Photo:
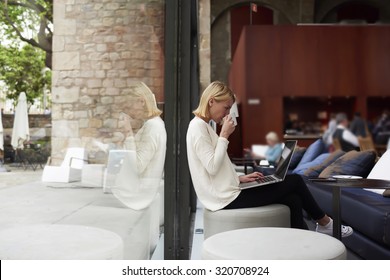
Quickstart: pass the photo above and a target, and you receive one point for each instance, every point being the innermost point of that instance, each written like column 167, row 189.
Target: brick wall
column 100, row 48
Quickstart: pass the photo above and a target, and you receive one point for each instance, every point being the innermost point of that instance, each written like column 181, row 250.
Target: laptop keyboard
column 266, row 179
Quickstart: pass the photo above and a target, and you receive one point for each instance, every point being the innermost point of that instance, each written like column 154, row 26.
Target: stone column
column 65, row 95
column 204, row 43
column 306, row 11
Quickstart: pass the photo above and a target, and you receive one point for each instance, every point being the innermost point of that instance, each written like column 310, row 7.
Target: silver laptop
column 121, row 169
column 281, row 169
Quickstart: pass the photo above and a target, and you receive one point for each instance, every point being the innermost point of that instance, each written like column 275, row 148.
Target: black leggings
column 292, row 192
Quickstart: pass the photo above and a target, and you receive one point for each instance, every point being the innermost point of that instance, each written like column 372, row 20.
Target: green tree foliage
column 23, row 69
column 30, row 21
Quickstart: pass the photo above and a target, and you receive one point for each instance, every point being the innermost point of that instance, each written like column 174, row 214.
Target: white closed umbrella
column 2, row 169
column 21, row 131
column 1, row 133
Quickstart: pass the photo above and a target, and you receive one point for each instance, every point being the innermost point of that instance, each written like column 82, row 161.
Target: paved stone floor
column 26, row 201
column 18, row 176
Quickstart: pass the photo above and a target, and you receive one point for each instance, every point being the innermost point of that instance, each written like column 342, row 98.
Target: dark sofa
column 366, row 212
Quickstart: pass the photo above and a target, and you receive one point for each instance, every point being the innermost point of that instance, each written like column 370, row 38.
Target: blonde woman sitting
column 215, row 180
column 139, row 178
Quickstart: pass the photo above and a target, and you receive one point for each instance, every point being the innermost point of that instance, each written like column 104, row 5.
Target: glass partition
column 124, row 81
column 108, row 92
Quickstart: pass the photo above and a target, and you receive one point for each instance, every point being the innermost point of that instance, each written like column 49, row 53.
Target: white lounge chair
column 69, row 170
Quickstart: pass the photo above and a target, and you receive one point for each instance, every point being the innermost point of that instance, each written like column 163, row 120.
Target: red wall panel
column 263, row 62
column 339, row 60
column 300, row 72
column 375, row 63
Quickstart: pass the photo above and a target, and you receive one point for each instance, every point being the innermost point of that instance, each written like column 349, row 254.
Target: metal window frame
column 181, row 89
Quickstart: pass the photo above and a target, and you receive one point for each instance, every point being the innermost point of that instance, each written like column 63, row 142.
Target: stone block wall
column 34, row 120
column 204, row 43
column 100, row 48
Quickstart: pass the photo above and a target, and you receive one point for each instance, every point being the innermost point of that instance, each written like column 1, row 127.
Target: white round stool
column 274, row 215
column 272, row 244
column 59, row 242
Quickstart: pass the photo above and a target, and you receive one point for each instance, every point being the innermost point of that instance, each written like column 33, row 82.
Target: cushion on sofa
column 297, row 157
column 381, row 172
column 314, row 150
column 352, row 163
column 315, row 170
column 302, row 168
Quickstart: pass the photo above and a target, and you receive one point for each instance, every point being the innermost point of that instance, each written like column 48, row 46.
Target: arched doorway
column 353, row 12
column 363, row 11
column 226, row 28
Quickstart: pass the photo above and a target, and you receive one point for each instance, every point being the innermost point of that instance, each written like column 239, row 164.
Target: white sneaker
column 328, row 229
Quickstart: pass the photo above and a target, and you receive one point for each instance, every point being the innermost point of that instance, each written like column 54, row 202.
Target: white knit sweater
column 213, row 175
column 138, row 189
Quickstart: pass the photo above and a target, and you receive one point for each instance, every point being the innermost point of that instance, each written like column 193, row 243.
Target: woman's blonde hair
column 216, row 90
column 141, row 90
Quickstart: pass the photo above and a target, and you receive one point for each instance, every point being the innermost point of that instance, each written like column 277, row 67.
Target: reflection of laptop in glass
column 281, row 169
column 121, row 168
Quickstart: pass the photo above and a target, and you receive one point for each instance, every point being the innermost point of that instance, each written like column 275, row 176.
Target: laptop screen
column 285, row 158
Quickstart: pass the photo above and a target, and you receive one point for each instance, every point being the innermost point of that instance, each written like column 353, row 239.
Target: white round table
column 59, row 242
column 272, row 244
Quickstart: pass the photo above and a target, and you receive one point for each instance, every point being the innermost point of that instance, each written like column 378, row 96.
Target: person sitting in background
column 273, row 151
column 327, row 137
column 347, row 139
column 358, row 126
column 274, row 148
column 381, row 131
column 9, row 152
